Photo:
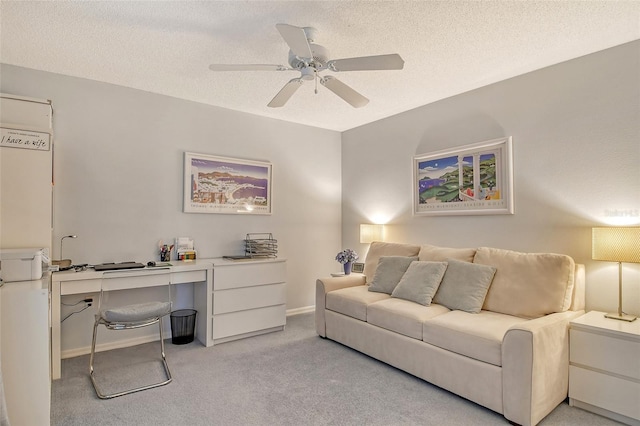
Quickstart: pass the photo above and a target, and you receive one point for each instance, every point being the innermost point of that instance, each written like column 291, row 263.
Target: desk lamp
column 621, row 244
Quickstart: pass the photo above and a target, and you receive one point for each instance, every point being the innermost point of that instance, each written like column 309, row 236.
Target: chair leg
column 114, row 395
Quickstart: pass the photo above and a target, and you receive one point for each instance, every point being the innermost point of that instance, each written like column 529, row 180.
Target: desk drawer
column 188, row 277
column 236, row 323
column 239, row 299
column 247, row 275
column 80, row 286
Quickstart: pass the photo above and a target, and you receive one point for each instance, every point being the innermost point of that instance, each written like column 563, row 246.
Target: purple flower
column 347, row 255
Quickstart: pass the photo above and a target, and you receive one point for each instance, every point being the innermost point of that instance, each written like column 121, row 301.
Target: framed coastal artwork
column 467, row 180
column 226, row 185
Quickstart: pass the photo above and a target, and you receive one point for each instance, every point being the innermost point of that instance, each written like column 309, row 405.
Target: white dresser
column 604, row 370
column 249, row 298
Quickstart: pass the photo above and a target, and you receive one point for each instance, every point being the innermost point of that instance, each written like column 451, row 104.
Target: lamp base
column 621, row 317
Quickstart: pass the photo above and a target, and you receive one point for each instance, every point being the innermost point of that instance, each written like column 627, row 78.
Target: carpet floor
column 284, row 378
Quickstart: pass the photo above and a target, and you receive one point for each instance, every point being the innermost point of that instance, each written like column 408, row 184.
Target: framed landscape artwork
column 226, row 185
column 467, row 180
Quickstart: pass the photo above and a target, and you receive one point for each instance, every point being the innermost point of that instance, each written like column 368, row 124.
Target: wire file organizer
column 261, row 246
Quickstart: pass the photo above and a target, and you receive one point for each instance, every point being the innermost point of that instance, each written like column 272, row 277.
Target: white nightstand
column 604, row 368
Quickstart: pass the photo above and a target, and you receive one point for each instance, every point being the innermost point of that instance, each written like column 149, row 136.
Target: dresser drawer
column 605, row 391
column 606, row 353
column 236, row 323
column 239, row 299
column 251, row 274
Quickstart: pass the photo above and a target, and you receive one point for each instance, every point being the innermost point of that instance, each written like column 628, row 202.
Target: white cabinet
column 604, row 370
column 249, row 298
column 24, row 349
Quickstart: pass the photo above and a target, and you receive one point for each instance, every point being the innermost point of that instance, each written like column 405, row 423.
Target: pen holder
column 165, row 253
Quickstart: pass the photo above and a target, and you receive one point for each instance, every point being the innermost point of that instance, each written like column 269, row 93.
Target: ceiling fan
column 310, row 60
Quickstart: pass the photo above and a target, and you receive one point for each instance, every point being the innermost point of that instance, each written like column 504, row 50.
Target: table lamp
column 371, row 232
column 617, row 244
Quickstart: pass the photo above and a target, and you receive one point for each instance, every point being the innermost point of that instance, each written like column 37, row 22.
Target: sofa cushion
column 464, row 286
column 389, row 273
column 402, row 316
column 420, row 282
column 477, row 336
column 438, row 254
column 353, row 301
column 528, row 285
column 378, row 249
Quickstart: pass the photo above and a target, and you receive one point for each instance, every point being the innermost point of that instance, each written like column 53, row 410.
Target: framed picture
column 357, row 267
column 226, row 185
column 467, row 180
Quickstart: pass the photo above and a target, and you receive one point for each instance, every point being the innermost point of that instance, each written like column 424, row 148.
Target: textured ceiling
column 449, row 47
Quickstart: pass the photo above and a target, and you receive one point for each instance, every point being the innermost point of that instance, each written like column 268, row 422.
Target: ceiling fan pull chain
column 316, row 73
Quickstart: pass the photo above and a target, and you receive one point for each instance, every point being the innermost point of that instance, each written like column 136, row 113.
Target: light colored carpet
column 285, row 378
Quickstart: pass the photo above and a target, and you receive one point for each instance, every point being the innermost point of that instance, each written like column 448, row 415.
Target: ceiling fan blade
column 367, row 63
column 247, row 67
column 296, row 39
column 285, row 93
column 352, row 97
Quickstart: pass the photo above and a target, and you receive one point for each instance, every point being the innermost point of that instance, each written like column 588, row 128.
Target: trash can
column 183, row 326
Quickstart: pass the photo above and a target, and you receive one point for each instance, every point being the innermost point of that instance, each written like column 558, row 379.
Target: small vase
column 347, row 268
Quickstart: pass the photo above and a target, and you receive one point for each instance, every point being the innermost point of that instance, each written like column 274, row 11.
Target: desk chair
column 131, row 317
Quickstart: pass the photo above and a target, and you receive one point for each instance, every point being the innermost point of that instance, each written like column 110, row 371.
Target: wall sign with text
column 25, row 139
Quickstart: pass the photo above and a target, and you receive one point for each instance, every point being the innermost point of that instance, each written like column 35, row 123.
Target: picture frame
column 214, row 184
column 475, row 179
column 357, row 267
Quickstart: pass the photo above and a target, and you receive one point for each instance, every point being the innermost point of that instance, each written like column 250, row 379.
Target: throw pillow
column 420, row 282
column 377, row 249
column 389, row 272
column 464, row 286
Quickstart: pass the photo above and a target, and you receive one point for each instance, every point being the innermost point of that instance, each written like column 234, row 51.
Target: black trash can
column 183, row 326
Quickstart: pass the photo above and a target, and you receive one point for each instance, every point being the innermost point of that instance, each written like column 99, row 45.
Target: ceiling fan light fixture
column 310, row 59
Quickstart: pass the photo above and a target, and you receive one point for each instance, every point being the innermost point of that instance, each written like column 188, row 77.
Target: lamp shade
column 616, row 244
column 370, row 233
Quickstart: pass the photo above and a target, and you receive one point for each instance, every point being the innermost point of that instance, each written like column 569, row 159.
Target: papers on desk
column 184, row 248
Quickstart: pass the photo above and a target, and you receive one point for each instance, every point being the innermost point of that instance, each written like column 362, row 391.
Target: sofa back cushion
column 442, row 254
column 527, row 285
column 378, row 249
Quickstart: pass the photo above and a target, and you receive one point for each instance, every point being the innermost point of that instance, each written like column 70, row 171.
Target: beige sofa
column 511, row 357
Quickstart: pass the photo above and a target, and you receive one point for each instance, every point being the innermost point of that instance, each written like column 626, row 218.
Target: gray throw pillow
column 420, row 282
column 464, row 286
column 389, row 272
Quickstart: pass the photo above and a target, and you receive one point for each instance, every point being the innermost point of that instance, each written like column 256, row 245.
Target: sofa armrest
column 325, row 285
column 535, row 367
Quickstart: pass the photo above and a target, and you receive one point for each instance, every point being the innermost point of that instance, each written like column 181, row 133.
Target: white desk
column 199, row 272
column 234, row 300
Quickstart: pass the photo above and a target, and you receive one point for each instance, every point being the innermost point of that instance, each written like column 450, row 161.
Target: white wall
column 576, row 143
column 118, row 167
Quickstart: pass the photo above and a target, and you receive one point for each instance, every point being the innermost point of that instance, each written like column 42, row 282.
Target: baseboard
column 302, row 310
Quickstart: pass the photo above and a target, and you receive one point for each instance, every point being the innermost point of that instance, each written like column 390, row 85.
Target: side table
column 604, row 367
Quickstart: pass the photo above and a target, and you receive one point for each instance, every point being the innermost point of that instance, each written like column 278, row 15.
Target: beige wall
column 576, row 144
